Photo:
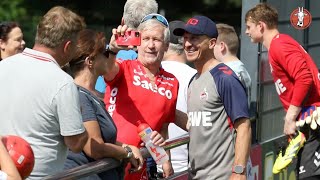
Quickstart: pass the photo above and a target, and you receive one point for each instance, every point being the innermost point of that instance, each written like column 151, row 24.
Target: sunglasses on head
column 158, row 17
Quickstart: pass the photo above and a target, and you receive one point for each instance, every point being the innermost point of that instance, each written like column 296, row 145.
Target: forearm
column 293, row 112
column 165, row 135
column 98, row 150
column 243, row 142
column 181, row 120
column 7, row 165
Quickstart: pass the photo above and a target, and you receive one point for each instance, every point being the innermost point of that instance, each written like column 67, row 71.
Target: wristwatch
column 129, row 151
column 238, row 169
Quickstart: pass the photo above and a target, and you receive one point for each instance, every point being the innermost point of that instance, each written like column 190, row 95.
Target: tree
column 103, row 15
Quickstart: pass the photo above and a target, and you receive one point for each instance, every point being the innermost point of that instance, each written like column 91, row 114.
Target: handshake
column 309, row 115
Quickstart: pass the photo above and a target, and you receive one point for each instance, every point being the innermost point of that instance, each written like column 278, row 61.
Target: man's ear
column 212, row 43
column 67, row 47
column 262, row 26
column 223, row 46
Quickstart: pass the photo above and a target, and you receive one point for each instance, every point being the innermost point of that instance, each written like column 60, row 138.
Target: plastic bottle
column 158, row 153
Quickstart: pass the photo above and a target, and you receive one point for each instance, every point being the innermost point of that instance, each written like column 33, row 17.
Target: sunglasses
column 158, row 17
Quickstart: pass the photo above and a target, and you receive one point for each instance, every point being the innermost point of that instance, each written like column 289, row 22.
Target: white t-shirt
column 40, row 103
column 3, row 175
column 243, row 75
column 184, row 73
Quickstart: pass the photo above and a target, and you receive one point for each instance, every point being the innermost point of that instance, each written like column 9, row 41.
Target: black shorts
column 308, row 162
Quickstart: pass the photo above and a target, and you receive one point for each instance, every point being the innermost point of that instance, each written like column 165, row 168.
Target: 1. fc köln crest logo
column 300, row 18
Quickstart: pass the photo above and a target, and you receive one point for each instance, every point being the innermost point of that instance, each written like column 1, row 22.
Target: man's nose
column 151, row 43
column 187, row 43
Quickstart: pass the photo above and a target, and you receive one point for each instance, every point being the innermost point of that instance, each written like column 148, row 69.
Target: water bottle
column 158, row 154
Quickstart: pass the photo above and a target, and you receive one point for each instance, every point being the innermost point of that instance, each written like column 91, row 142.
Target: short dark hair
column 5, row 29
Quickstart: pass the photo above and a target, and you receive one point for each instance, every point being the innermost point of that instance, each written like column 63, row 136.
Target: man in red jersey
column 140, row 90
column 296, row 78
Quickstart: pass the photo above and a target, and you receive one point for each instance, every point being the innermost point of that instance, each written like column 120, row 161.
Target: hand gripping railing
column 109, row 163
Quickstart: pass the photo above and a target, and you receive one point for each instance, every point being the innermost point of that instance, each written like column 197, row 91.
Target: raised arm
column 113, row 49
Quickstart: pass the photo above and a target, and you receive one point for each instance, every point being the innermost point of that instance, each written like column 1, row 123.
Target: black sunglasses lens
column 106, row 54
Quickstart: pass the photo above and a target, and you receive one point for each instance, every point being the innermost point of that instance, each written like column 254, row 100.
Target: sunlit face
column 195, row 46
column 152, row 47
column 254, row 31
column 14, row 44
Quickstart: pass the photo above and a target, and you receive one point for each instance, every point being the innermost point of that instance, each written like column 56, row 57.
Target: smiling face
column 196, row 47
column 153, row 45
column 13, row 44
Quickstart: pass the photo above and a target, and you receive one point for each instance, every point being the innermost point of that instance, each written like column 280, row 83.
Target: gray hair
column 135, row 10
column 177, row 48
column 151, row 23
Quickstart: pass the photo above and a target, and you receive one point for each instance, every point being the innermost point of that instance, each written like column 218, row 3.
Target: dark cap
column 198, row 25
column 172, row 26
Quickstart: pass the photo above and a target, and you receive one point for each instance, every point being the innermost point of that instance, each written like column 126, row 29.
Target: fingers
column 134, row 162
column 157, row 139
column 137, row 157
column 130, row 47
column 162, row 144
column 114, row 31
column 122, row 29
column 167, row 169
column 141, row 161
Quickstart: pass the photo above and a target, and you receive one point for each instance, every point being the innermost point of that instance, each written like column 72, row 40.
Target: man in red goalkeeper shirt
column 296, row 78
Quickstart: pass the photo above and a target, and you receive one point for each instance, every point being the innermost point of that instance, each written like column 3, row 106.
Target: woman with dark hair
column 11, row 39
column 90, row 62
